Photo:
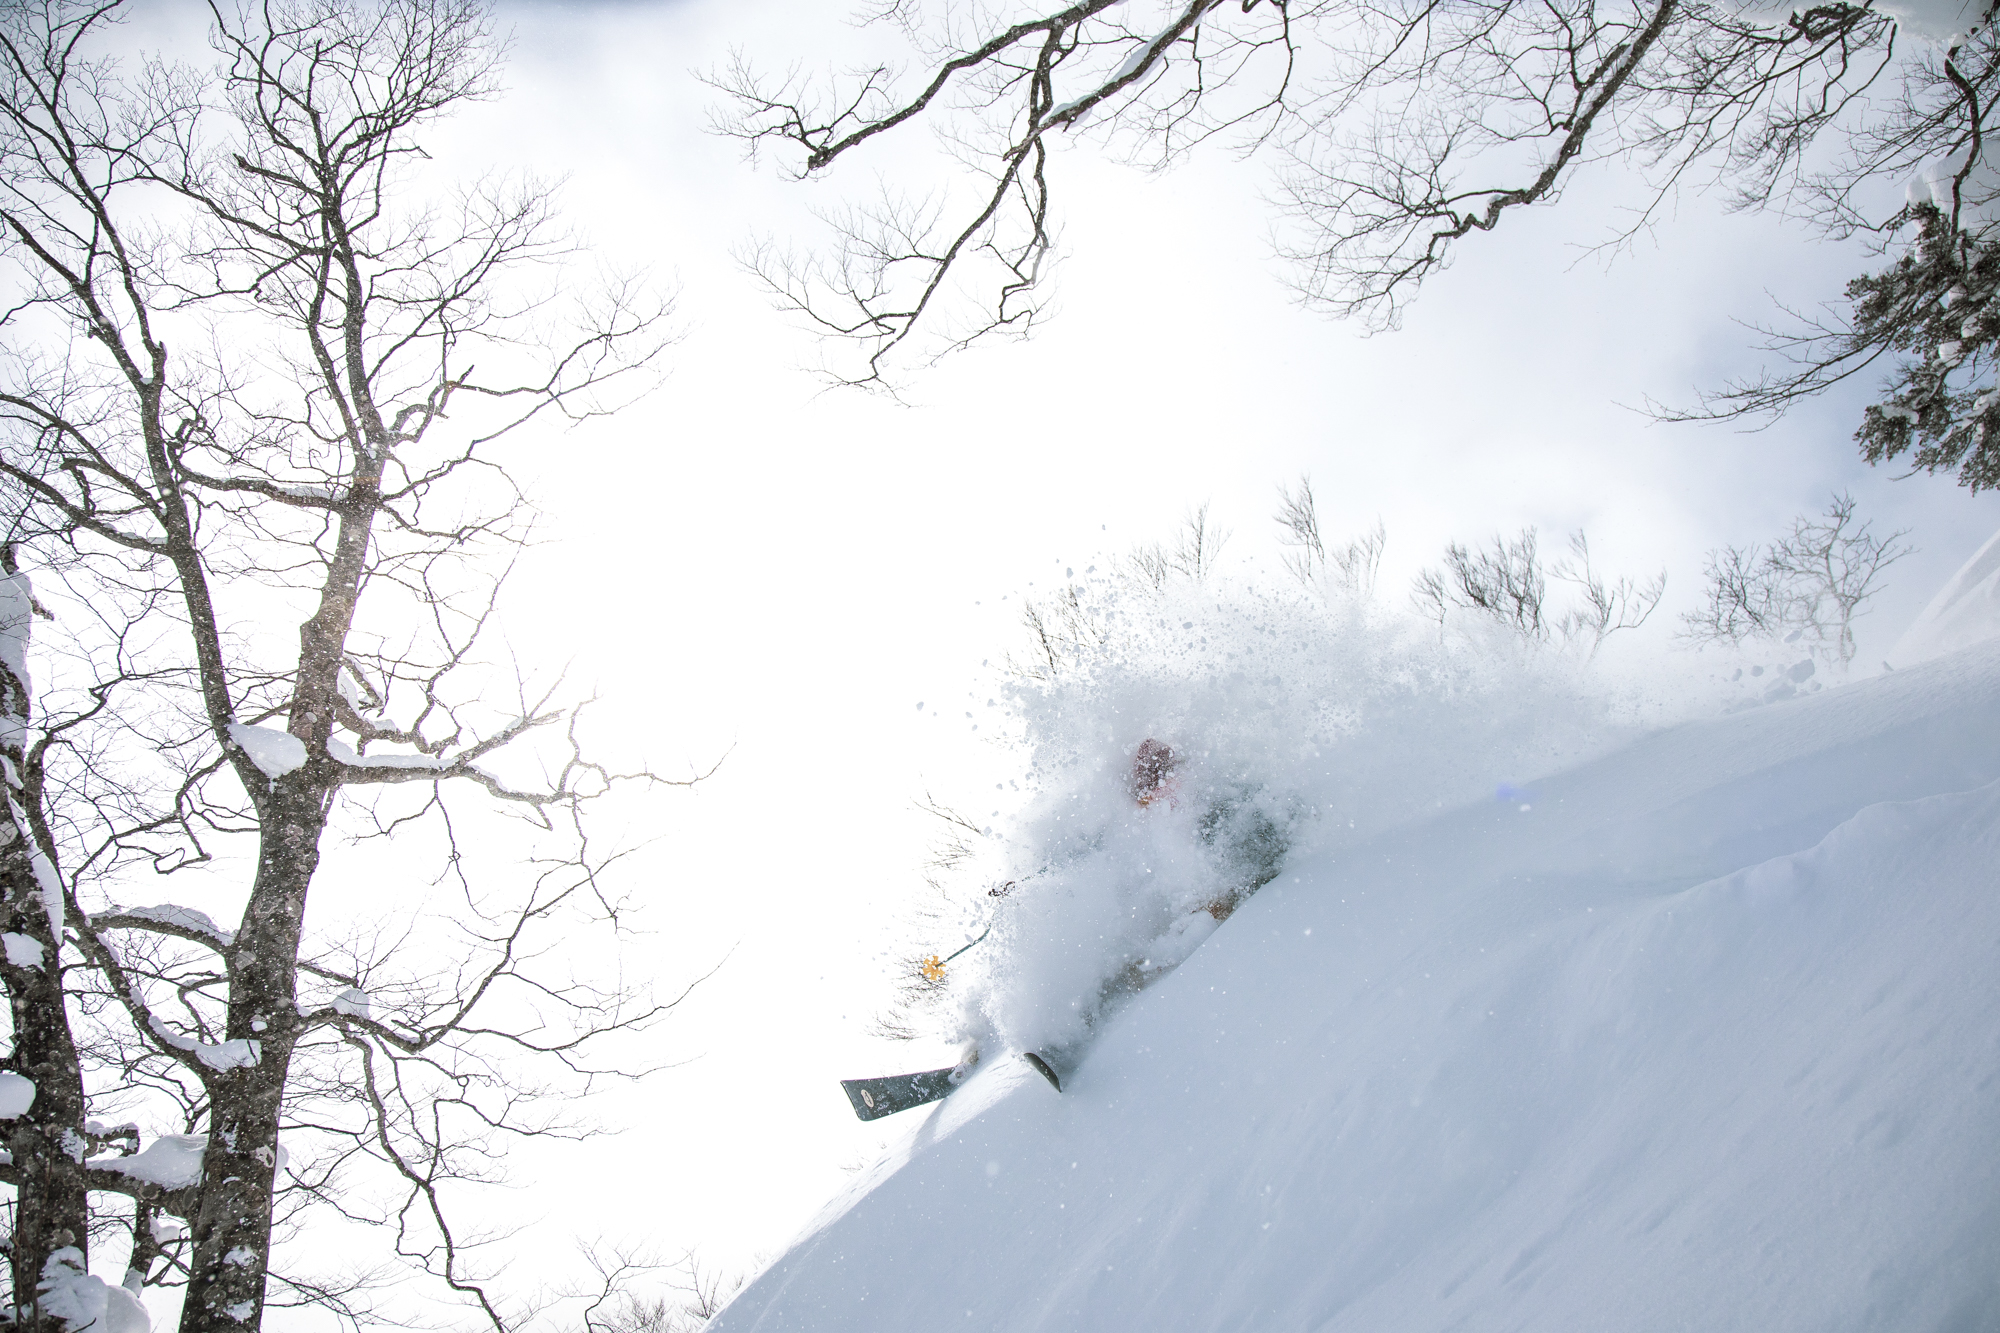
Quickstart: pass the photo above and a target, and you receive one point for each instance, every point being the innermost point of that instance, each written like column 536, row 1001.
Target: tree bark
column 232, row 1230
column 46, row 1142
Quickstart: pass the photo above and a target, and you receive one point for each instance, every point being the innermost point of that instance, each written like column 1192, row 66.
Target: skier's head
column 1153, row 771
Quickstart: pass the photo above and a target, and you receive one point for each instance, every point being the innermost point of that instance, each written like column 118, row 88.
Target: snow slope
column 1708, row 1037
column 1964, row 612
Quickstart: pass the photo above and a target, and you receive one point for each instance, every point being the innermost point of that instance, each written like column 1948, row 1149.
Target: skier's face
column 1153, row 772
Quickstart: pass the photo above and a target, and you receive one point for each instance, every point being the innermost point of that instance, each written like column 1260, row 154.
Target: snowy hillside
column 1703, row 1033
column 1964, row 612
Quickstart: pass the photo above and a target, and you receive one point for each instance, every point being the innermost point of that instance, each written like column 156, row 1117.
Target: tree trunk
column 46, row 1141
column 232, row 1230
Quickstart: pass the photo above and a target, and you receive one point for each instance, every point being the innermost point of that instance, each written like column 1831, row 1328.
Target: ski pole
column 933, row 966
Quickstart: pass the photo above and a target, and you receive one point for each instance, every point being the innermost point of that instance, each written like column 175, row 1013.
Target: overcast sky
column 745, row 564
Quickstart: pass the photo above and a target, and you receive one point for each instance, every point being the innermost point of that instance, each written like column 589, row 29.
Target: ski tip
column 1042, row 1068
column 873, row 1098
column 866, row 1105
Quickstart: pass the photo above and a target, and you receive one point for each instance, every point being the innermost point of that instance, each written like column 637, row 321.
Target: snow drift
column 1700, row 1036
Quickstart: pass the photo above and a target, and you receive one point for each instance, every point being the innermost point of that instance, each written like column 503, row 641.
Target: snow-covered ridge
column 1964, row 612
column 1702, row 1039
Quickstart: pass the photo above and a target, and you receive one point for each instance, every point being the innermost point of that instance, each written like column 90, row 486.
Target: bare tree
column 318, row 443
column 1397, row 130
column 1298, row 520
column 51, row 1193
column 1807, row 585
column 705, row 1291
column 1062, row 631
column 1930, row 315
column 696, row 1294
column 1191, row 555
column 1073, row 627
column 1505, row 582
column 1745, row 599
column 1605, row 608
column 1349, row 569
column 1508, row 583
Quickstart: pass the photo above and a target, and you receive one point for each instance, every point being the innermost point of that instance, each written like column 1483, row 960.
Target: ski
column 1042, row 1068
column 874, row 1098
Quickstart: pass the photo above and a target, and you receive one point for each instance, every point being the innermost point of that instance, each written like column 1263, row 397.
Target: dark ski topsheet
column 874, row 1098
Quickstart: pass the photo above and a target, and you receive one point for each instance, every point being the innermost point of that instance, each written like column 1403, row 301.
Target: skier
column 1252, row 843
column 1251, row 848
